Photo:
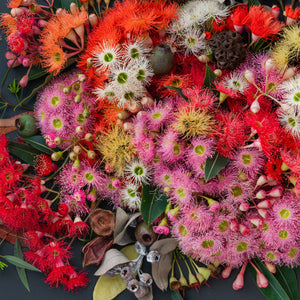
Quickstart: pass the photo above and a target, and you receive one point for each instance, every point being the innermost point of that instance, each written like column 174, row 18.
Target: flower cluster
column 24, row 210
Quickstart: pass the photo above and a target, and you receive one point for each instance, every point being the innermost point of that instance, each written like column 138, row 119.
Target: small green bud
column 56, row 156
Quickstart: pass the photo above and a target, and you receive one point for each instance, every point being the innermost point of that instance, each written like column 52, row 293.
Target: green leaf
column 25, row 152
column 214, row 165
column 209, row 78
column 297, row 270
column 153, row 203
column 66, row 3
column 274, row 291
column 2, row 266
column 21, row 271
column 36, row 73
column 16, row 261
column 108, row 288
column 39, row 143
column 14, row 87
column 253, row 2
column 175, row 295
column 178, row 91
column 288, row 280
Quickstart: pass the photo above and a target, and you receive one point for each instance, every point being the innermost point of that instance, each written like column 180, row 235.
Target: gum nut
column 26, row 125
column 162, row 59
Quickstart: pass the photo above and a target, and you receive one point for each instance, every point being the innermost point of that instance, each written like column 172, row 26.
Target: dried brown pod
column 94, row 250
column 102, row 221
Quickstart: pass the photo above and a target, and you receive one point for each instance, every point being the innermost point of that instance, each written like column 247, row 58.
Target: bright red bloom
column 16, row 43
column 232, row 132
column 79, row 229
column 273, row 168
column 43, row 164
column 240, row 15
column 34, row 239
column 262, row 23
column 10, row 174
column 55, row 252
column 60, row 275
column 292, row 13
column 76, row 282
column 24, row 23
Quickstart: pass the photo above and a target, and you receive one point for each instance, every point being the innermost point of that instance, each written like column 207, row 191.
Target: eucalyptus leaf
column 297, row 270
column 253, row 2
column 39, row 143
column 36, row 73
column 288, row 280
column 178, row 91
column 153, row 203
column 16, row 261
column 275, row 290
column 108, row 288
column 209, row 78
column 25, row 152
column 21, row 271
column 214, row 165
column 175, row 295
column 66, row 3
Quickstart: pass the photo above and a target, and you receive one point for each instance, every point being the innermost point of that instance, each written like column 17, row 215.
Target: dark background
column 11, row 287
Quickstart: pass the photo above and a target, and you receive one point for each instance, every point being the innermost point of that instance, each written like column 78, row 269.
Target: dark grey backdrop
column 12, row 289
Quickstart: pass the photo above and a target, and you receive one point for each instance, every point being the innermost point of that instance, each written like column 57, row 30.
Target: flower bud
column 88, row 137
column 24, row 81
column 244, row 206
column 72, row 155
column 269, row 65
column 263, row 213
column 91, row 154
column 93, row 19
column 261, row 194
column 244, row 230
column 234, row 226
column 265, row 204
column 239, row 282
column 249, row 75
column 261, row 280
column 255, row 107
column 56, row 156
column 276, row 192
column 77, row 149
column 226, row 272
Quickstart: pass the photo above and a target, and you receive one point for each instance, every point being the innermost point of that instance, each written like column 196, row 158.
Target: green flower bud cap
column 26, row 125
column 162, row 59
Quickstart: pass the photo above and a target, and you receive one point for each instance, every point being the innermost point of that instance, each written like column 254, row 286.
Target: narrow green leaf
column 66, row 3
column 253, row 2
column 214, row 165
column 153, row 203
column 39, row 143
column 16, row 261
column 209, row 77
column 21, row 271
column 175, row 295
column 274, row 291
column 178, row 91
column 288, row 280
column 36, row 73
column 25, row 152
